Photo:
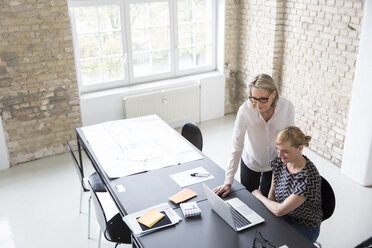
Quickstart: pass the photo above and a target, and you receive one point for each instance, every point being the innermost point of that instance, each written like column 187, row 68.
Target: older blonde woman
column 295, row 193
column 258, row 121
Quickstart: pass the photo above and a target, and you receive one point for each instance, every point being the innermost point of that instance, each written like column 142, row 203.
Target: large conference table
column 150, row 188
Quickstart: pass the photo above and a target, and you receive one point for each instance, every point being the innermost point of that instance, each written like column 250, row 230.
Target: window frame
column 153, row 77
column 126, row 41
column 199, row 69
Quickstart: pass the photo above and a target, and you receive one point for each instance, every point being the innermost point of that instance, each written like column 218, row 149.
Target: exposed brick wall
column 39, row 101
column 231, row 53
column 310, row 47
column 320, row 51
column 259, row 43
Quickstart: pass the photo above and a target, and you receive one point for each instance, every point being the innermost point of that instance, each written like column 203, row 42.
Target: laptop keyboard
column 239, row 219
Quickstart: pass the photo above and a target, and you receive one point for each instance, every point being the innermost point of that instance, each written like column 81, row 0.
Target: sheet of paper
column 184, row 179
column 130, row 146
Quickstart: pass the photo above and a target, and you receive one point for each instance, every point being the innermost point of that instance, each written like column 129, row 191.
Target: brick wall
column 231, row 53
column 39, row 101
column 310, row 48
column 320, row 51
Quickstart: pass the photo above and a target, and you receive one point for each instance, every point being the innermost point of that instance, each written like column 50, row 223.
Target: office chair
column 114, row 230
column 365, row 244
column 328, row 202
column 94, row 179
column 193, row 134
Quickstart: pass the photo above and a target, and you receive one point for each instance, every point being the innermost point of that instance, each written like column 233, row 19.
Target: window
column 122, row 42
column 194, row 33
column 150, row 33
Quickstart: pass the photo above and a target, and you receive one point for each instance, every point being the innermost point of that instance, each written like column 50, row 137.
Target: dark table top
column 150, row 188
column 210, row 230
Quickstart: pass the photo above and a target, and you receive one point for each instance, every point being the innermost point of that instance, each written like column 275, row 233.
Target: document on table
column 130, row 146
column 184, row 178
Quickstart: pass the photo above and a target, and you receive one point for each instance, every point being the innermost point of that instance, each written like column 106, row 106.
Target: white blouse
column 254, row 138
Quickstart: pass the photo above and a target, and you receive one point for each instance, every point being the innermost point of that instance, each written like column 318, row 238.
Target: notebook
column 182, row 196
column 235, row 212
column 150, row 218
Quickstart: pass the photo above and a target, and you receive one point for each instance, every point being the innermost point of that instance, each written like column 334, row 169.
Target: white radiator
column 176, row 106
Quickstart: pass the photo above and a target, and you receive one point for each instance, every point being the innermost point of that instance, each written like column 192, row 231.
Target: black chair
column 193, row 134
column 328, row 202
column 114, row 230
column 328, row 199
column 365, row 244
column 94, row 179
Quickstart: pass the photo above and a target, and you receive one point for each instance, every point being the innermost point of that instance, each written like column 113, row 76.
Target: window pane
column 185, row 58
column 88, row 46
column 111, row 44
column 150, row 35
column 160, row 38
column 201, row 11
column 112, row 69
column 159, row 14
column 139, row 15
column 200, row 55
column 109, row 18
column 98, row 36
column 185, row 35
column 141, row 64
column 194, row 33
column 184, row 8
column 86, row 19
column 140, row 40
column 201, row 33
column 100, row 44
column 90, row 72
column 161, row 62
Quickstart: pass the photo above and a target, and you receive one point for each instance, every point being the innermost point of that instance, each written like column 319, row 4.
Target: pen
column 200, row 174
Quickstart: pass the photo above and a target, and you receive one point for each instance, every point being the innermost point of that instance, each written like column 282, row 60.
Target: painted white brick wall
column 310, row 48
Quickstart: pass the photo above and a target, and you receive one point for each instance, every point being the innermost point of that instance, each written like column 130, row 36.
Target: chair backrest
column 78, row 168
column 114, row 230
column 193, row 134
column 328, row 199
column 100, row 213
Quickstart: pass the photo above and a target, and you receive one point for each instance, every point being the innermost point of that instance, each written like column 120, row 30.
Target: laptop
column 235, row 212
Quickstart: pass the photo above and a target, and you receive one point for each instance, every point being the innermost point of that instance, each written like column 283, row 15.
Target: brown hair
column 294, row 135
column 267, row 83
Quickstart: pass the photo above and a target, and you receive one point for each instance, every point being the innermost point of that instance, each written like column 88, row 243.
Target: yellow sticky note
column 150, row 218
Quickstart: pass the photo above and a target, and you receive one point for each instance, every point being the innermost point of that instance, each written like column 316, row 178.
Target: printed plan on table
column 130, row 146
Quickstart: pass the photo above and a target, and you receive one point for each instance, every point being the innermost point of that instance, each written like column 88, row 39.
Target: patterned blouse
column 305, row 183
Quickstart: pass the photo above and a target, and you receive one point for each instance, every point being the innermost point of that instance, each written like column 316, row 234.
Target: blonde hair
column 294, row 135
column 267, row 83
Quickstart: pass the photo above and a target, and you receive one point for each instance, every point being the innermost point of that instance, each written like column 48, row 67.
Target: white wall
column 4, row 158
column 212, row 95
column 357, row 154
column 107, row 105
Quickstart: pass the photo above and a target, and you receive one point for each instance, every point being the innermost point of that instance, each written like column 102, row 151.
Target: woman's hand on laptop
column 223, row 189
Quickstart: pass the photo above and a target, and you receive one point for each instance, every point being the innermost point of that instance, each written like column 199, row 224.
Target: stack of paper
column 150, row 218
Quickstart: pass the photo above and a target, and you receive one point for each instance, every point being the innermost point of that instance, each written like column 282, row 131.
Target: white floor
column 39, row 200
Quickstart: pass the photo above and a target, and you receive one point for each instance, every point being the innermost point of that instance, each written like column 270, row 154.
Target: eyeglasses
column 260, row 242
column 261, row 99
